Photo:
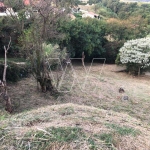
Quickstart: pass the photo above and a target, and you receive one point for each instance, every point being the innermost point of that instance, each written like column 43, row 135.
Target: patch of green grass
column 108, row 139
column 2, row 117
column 123, row 130
column 68, row 134
column 92, row 144
column 66, row 111
column 42, row 139
column 78, row 15
column 6, row 137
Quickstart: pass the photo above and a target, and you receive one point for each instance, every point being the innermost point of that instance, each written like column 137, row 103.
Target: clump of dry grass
column 58, row 146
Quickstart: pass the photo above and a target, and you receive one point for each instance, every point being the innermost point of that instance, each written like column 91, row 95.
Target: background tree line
column 41, row 31
column 97, row 38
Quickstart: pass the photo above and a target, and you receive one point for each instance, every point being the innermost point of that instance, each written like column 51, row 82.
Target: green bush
column 14, row 71
column 135, row 55
column 86, row 35
column 111, row 50
column 78, row 15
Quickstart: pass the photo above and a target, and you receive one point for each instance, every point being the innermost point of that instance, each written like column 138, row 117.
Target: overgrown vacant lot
column 88, row 113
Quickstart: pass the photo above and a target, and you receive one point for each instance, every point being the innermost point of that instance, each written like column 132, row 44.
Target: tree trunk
column 8, row 106
column 139, row 72
column 83, row 57
column 46, row 84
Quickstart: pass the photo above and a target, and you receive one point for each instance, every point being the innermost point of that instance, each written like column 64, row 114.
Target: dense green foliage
column 84, row 35
column 104, row 11
column 124, row 21
column 13, row 25
column 125, row 10
column 97, row 38
column 111, row 50
column 15, row 71
column 8, row 28
column 132, row 28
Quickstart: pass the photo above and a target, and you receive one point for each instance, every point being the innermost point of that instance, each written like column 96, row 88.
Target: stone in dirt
column 121, row 90
column 125, row 98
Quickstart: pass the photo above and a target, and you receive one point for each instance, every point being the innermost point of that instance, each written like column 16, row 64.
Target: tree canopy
column 84, row 35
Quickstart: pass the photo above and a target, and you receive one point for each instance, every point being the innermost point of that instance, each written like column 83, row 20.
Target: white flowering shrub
column 135, row 54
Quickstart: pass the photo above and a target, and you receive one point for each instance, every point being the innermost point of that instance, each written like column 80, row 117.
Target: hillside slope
column 73, row 127
column 91, row 116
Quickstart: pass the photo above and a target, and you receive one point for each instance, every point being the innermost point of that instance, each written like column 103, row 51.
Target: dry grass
column 101, row 91
column 91, row 120
column 89, row 106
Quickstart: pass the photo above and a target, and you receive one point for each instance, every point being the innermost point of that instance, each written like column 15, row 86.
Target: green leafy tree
column 13, row 25
column 131, row 28
column 36, row 41
column 111, row 50
column 84, row 35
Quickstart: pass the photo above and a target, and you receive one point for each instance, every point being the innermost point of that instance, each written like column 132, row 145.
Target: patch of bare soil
column 26, row 96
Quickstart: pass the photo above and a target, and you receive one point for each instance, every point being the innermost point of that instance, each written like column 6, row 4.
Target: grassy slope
column 93, row 118
column 72, row 125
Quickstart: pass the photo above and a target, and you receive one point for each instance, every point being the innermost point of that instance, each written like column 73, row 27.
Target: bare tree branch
column 3, row 84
